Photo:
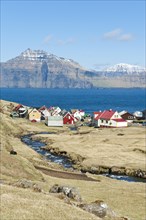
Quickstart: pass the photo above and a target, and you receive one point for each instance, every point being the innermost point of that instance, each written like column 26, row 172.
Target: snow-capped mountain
column 39, row 69
column 41, row 56
column 125, row 68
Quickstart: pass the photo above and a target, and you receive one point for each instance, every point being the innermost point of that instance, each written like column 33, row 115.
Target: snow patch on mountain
column 125, row 68
column 41, row 56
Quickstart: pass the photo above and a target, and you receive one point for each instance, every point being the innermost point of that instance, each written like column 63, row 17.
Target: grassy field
column 97, row 146
column 104, row 146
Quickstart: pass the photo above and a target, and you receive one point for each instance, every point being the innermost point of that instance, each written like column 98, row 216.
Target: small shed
column 54, row 121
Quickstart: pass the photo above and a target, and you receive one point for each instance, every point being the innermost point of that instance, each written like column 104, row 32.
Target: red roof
column 17, row 107
column 98, row 115
column 119, row 120
column 68, row 113
column 42, row 108
column 107, row 114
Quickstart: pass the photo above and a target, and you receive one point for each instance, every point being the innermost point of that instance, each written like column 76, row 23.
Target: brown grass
column 24, row 204
column 105, row 146
column 98, row 146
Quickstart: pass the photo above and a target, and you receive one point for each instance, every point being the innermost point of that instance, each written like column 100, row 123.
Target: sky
column 96, row 34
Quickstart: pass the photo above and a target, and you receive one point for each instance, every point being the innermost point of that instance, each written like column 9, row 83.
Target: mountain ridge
column 39, row 69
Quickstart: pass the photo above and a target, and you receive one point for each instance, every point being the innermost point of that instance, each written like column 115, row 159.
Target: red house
column 68, row 118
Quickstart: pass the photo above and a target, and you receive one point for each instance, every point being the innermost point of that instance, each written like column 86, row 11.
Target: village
column 57, row 117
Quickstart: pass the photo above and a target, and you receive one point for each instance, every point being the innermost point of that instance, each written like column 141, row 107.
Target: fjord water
column 89, row 100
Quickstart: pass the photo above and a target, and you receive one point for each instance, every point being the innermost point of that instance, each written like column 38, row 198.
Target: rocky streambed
column 74, row 161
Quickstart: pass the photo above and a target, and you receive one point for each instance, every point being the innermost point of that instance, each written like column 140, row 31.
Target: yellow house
column 34, row 115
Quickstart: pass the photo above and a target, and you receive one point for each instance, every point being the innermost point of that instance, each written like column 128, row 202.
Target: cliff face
column 37, row 69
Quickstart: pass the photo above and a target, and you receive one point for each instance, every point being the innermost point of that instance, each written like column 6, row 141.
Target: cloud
column 50, row 38
column 118, row 34
column 65, row 42
column 126, row 37
column 47, row 39
column 113, row 34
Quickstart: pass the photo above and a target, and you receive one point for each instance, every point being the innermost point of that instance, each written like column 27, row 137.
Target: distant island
column 38, row 69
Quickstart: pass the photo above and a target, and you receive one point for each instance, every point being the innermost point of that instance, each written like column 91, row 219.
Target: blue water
column 36, row 145
column 89, row 100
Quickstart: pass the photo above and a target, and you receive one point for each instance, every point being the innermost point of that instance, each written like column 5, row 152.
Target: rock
column 36, row 188
column 98, row 208
column 24, row 183
column 140, row 173
column 118, row 170
column 70, row 192
column 13, row 152
column 94, row 170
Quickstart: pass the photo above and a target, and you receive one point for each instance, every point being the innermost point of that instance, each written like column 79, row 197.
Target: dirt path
column 65, row 175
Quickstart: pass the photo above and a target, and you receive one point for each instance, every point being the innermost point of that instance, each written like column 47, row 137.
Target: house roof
column 68, row 113
column 119, row 120
column 122, row 112
column 74, row 110
column 107, row 114
column 33, row 110
column 17, row 107
column 55, row 118
column 42, row 108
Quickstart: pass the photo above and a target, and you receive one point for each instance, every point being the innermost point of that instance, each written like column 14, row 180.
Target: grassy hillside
column 126, row 199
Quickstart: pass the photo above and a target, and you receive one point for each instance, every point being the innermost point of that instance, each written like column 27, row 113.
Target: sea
column 89, row 100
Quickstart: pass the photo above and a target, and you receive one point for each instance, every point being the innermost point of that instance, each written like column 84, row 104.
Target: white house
column 77, row 115
column 56, row 111
column 109, row 118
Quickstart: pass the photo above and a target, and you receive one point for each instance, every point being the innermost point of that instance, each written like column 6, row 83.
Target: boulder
column 24, row 183
column 13, row 152
column 70, row 192
column 98, row 208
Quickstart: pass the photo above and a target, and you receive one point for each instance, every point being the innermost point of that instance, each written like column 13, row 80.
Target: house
column 34, row 115
column 109, row 118
column 54, row 121
column 68, row 118
column 21, row 110
column 127, row 116
column 77, row 115
column 45, row 112
column 14, row 114
column 138, row 115
column 82, row 113
column 63, row 112
column 55, row 111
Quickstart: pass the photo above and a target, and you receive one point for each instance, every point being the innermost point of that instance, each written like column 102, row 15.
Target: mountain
column 125, row 68
column 39, row 69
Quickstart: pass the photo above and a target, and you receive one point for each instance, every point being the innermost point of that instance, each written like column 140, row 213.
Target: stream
column 64, row 160
column 36, row 145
